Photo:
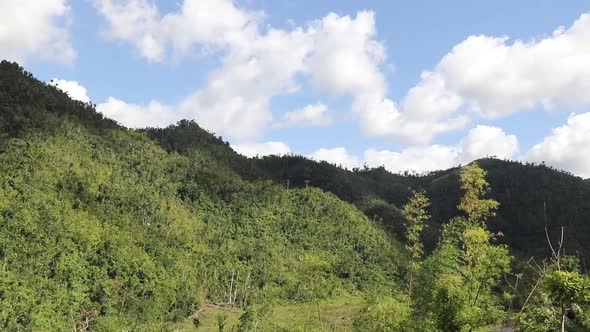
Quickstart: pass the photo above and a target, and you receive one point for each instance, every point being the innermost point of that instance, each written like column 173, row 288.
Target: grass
column 335, row 314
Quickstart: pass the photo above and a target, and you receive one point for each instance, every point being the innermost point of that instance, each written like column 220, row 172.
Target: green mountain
column 102, row 228
column 530, row 196
column 107, row 228
column 533, row 198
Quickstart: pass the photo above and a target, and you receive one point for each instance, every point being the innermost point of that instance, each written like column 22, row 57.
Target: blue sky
column 416, row 85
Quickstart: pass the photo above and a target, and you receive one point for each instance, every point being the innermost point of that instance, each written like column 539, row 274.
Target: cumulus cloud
column 493, row 77
column 256, row 66
column 339, row 54
column 487, row 141
column 195, row 23
column 497, row 78
column 417, row 159
column 347, row 60
column 139, row 116
column 316, row 114
column 337, row 156
column 35, row 29
column 481, row 141
column 568, row 146
column 346, row 56
column 133, row 21
column 262, row 149
column 380, row 116
column 483, row 76
column 237, row 96
column 74, row 89
column 129, row 115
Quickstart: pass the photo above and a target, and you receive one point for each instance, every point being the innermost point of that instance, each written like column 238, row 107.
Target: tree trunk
column 410, row 277
column 563, row 311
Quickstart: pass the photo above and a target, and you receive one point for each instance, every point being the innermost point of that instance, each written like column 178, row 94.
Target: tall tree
column 476, row 207
column 415, row 213
column 457, row 280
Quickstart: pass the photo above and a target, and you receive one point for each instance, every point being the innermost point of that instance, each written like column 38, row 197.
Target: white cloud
column 345, row 58
column 480, row 142
column 35, row 29
column 261, row 149
column 139, row 116
column 337, row 156
column 339, row 54
column 497, row 78
column 255, row 66
column 482, row 76
column 568, row 146
column 418, row 159
column 133, row 21
column 380, row 116
column 74, row 89
column 487, row 76
column 237, row 96
column 492, row 77
column 487, row 141
column 316, row 114
column 195, row 23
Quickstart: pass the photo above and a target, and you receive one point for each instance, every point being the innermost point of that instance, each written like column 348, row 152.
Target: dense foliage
column 100, row 228
column 104, row 228
column 530, row 197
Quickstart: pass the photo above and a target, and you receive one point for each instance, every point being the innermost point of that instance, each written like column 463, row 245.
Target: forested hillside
column 104, row 228
column 101, row 228
column 530, row 197
column 441, row 297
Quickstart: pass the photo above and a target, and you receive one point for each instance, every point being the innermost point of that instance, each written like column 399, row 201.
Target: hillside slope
column 530, row 196
column 100, row 226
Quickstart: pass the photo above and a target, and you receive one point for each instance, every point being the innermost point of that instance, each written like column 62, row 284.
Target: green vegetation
column 415, row 213
column 104, row 228
column 335, row 314
column 530, row 197
column 101, row 228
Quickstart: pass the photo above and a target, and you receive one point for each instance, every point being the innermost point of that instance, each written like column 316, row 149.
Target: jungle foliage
column 104, row 228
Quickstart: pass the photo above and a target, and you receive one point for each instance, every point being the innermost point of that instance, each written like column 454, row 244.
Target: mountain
column 530, row 196
column 108, row 228
column 102, row 228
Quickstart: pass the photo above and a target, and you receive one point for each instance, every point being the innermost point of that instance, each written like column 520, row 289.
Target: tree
column 457, row 280
column 415, row 213
column 567, row 290
column 561, row 294
column 477, row 208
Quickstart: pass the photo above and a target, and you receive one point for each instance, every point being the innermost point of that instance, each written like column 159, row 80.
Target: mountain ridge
column 521, row 219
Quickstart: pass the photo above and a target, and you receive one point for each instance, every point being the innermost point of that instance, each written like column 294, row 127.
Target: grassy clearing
column 335, row 314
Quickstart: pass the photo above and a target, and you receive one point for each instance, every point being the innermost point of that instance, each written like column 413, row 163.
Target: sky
column 408, row 85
